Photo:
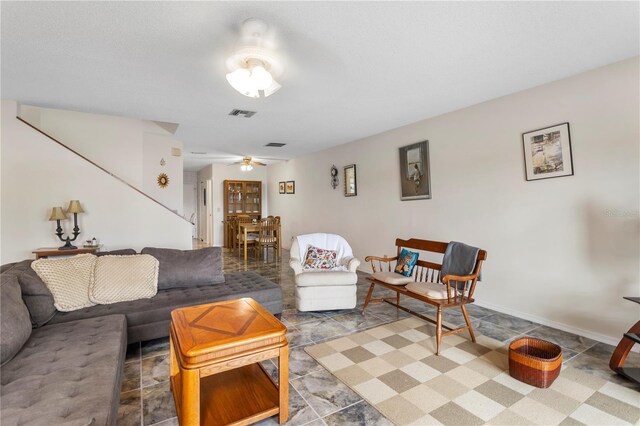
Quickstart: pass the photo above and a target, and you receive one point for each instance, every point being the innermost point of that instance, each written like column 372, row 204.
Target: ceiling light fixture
column 247, row 163
column 254, row 66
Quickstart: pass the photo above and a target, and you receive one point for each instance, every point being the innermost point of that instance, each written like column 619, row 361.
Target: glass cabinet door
column 252, row 200
column 235, row 197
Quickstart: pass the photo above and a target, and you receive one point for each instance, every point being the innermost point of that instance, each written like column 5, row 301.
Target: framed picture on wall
column 547, row 152
column 291, row 187
column 415, row 180
column 350, row 182
column 281, row 187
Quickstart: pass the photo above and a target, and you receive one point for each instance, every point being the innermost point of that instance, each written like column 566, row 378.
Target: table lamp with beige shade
column 58, row 214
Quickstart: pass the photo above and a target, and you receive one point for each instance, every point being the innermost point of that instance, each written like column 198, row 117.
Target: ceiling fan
column 248, row 163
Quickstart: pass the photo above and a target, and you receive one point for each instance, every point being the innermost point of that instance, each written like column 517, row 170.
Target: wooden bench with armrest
column 459, row 289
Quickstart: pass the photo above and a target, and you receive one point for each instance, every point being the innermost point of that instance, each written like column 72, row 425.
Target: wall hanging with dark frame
column 350, row 181
column 415, row 180
column 281, row 187
column 334, row 177
column 547, row 152
column 291, row 187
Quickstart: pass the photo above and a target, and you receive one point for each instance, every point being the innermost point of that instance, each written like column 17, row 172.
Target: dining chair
column 267, row 236
column 252, row 238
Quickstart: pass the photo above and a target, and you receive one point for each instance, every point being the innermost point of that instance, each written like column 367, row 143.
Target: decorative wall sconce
column 334, row 177
column 58, row 214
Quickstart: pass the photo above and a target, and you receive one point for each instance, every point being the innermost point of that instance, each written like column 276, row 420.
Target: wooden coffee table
column 216, row 376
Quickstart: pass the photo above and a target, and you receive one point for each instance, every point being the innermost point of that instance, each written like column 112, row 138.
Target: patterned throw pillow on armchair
column 318, row 258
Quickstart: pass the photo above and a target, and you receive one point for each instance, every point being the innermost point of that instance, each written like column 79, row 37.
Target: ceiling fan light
column 249, row 167
column 240, row 80
column 243, row 167
column 260, row 77
column 273, row 88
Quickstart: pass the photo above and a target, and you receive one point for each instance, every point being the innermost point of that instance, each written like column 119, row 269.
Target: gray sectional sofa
column 69, row 370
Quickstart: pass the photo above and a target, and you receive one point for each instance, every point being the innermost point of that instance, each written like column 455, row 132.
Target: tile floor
column 316, row 396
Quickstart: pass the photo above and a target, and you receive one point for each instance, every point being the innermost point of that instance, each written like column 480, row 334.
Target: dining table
column 245, row 228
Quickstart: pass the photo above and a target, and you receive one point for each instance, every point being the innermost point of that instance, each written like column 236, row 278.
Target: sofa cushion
column 120, row 252
column 321, row 278
column 392, row 278
column 68, row 279
column 35, row 293
column 7, row 266
column 187, row 268
column 124, row 278
column 66, row 374
column 15, row 324
column 143, row 313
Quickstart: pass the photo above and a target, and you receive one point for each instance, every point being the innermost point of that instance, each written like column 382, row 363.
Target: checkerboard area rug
column 394, row 367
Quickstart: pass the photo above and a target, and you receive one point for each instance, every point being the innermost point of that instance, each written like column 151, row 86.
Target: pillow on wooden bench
column 430, row 290
column 392, row 278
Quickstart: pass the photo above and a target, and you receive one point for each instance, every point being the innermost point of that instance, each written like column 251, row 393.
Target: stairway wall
column 129, row 148
column 38, row 174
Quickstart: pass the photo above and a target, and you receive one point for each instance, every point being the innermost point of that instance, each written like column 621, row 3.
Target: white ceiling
column 352, row 68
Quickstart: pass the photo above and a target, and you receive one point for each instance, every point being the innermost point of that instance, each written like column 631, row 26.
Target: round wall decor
column 163, row 180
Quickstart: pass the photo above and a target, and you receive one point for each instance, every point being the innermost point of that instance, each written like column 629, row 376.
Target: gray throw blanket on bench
column 459, row 259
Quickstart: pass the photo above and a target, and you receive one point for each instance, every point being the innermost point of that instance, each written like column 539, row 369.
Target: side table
column 621, row 352
column 216, row 376
column 54, row 251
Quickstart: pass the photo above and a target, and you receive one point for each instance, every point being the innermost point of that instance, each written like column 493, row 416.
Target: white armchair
column 322, row 290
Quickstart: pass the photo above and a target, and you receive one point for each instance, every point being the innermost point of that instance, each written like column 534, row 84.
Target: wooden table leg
column 190, row 407
column 245, row 244
column 622, row 350
column 280, row 241
column 283, row 383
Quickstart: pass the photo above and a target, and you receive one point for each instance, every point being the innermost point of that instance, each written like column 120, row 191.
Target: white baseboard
column 560, row 326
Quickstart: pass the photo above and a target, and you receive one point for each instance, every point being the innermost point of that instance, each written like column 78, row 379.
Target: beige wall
column 561, row 251
column 38, row 174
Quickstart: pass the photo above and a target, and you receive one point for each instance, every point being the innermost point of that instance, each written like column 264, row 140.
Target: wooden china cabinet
column 241, row 198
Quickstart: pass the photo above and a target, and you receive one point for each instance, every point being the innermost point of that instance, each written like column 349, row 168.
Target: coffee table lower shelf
column 240, row 396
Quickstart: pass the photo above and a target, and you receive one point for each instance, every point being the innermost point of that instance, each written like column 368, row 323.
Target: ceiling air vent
column 239, row 112
column 276, row 144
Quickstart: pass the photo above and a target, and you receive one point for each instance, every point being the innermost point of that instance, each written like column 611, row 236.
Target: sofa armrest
column 351, row 263
column 295, row 265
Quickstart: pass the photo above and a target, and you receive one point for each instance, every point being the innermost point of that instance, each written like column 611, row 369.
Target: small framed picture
column 281, row 189
column 547, row 152
column 291, row 187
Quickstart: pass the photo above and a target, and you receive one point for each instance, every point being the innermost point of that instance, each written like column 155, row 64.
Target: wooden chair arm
column 380, row 259
column 373, row 259
column 448, row 278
